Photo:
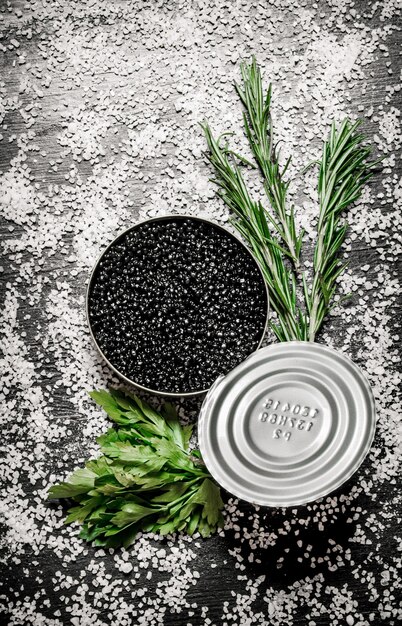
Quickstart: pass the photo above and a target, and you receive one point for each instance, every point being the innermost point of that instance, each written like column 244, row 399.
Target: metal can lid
column 288, row 425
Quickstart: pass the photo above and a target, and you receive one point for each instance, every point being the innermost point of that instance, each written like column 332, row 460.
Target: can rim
column 160, row 217
column 306, row 500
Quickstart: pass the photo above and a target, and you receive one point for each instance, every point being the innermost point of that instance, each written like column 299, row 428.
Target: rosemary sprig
column 258, row 126
column 344, row 169
column 254, row 224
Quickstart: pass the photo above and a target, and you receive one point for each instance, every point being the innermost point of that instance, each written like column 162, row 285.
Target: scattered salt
column 100, row 105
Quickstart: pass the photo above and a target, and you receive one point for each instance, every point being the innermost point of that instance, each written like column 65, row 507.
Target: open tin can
column 103, row 309
column 289, row 425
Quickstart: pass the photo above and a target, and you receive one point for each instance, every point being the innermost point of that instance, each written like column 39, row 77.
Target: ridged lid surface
column 287, row 426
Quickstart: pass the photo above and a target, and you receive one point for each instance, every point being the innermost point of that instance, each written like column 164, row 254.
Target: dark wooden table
column 100, row 104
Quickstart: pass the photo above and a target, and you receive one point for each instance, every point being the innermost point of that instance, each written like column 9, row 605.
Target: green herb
column 344, row 169
column 259, row 131
column 253, row 222
column 146, row 480
column 271, row 233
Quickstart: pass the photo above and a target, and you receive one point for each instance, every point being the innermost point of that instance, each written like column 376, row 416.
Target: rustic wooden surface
column 101, row 102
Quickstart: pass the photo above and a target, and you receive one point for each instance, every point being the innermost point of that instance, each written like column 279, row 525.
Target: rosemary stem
column 280, row 208
column 313, row 316
column 316, row 282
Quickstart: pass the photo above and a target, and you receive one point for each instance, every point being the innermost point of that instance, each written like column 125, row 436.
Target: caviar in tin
column 175, row 302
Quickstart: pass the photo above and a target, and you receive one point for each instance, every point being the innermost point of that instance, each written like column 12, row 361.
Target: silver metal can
column 287, row 426
column 160, row 220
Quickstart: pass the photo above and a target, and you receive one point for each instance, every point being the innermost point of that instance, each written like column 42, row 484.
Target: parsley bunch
column 146, row 480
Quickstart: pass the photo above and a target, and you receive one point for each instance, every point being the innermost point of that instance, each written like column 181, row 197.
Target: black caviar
column 175, row 302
